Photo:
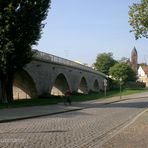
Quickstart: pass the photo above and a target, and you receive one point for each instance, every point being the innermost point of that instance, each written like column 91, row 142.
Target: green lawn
column 55, row 100
column 99, row 95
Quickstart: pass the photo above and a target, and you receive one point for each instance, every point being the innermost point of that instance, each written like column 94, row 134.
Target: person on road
column 68, row 99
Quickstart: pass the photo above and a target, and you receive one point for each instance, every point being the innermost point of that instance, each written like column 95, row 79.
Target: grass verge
column 75, row 98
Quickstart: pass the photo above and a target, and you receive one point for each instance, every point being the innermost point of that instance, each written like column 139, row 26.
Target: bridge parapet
column 55, row 59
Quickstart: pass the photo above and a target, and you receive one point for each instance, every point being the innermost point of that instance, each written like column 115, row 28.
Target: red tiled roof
column 145, row 69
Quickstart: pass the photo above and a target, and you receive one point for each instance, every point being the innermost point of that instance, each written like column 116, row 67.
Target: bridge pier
column 47, row 75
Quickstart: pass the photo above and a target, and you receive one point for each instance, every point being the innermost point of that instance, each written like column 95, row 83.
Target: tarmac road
column 86, row 128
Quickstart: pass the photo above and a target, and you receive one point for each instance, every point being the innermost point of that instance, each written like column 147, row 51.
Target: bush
column 134, row 85
column 113, row 85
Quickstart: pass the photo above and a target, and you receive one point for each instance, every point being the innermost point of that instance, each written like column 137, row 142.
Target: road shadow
column 71, row 114
column 36, row 132
column 97, row 105
column 118, row 104
column 138, row 104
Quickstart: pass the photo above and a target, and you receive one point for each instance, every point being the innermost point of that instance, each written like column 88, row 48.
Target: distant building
column 143, row 74
column 134, row 59
column 78, row 62
column 85, row 64
column 133, row 62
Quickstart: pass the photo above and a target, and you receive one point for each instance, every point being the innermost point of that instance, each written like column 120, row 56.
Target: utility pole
column 120, row 88
column 105, row 85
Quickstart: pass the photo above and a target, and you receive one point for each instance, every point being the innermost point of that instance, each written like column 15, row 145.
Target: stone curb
column 41, row 115
column 64, row 111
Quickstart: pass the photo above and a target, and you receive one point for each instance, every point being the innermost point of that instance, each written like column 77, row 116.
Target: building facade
column 143, row 74
column 134, row 59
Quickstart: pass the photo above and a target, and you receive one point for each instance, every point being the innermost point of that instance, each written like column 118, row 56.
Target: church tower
column 134, row 59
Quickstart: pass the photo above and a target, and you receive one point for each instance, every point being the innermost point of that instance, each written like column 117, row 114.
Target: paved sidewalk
column 13, row 114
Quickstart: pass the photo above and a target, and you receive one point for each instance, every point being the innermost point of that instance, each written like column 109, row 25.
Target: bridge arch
column 60, row 85
column 96, row 86
column 83, row 86
column 23, row 86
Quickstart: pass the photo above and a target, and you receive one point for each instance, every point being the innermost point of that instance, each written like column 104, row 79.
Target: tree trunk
column 6, row 87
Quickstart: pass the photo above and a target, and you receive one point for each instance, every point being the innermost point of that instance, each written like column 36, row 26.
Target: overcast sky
column 81, row 29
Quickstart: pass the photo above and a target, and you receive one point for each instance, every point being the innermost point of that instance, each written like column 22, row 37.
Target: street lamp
column 120, row 80
column 105, row 85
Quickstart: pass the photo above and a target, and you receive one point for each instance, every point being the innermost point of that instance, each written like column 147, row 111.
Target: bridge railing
column 55, row 59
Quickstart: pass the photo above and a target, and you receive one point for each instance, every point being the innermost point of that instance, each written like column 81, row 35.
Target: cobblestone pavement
column 85, row 128
column 134, row 136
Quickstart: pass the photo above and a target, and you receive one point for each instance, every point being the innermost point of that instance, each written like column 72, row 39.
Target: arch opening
column 60, row 86
column 96, row 86
column 23, row 86
column 83, row 88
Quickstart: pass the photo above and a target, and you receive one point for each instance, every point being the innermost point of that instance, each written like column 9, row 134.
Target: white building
column 143, row 74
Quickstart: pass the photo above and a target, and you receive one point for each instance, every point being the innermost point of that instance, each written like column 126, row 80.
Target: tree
column 122, row 71
column 138, row 19
column 20, row 28
column 124, row 59
column 142, row 64
column 104, row 61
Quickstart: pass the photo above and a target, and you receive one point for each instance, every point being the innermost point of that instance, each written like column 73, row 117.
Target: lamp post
column 120, row 87
column 105, row 85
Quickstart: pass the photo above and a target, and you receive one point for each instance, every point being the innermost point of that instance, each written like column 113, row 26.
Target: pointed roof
column 134, row 51
column 145, row 69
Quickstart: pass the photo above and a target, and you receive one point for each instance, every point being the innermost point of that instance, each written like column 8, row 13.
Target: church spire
column 134, row 51
column 134, row 59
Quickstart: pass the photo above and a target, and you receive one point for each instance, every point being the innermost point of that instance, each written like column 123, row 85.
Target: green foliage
column 122, row 71
column 20, row 28
column 135, row 85
column 142, row 64
column 113, row 84
column 104, row 61
column 75, row 98
column 138, row 19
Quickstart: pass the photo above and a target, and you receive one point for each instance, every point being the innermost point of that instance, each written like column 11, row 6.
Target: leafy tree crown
column 122, row 71
column 138, row 19
column 20, row 28
column 104, row 61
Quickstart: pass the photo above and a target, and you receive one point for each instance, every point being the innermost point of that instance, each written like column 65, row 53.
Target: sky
column 79, row 30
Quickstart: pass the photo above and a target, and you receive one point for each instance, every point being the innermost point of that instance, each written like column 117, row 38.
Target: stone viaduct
column 48, row 74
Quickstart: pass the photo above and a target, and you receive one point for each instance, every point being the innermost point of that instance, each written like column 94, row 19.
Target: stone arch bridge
column 49, row 74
